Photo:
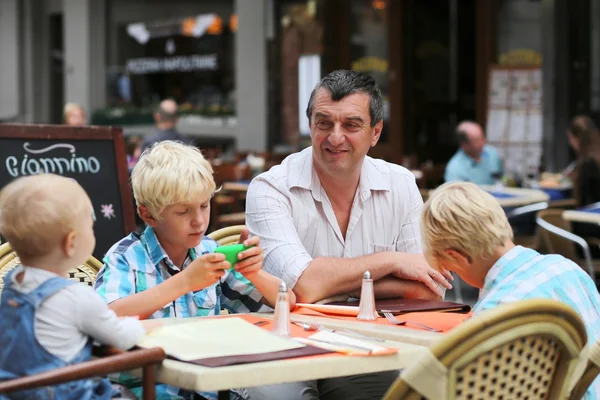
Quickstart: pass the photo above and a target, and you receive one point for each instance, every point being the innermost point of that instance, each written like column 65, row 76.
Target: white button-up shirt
column 290, row 211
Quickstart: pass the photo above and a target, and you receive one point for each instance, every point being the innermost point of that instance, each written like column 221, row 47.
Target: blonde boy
column 465, row 230
column 47, row 320
column 170, row 270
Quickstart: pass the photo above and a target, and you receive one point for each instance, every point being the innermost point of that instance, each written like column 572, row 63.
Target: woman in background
column 584, row 139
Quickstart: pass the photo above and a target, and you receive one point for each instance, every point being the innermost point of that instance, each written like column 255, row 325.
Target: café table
column 222, row 379
column 515, row 197
column 403, row 334
column 589, row 214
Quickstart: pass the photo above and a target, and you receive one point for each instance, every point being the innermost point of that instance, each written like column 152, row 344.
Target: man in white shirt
column 329, row 213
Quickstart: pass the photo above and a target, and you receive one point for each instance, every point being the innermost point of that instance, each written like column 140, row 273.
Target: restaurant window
column 180, row 49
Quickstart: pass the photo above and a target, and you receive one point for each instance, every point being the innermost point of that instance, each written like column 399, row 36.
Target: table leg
column 223, row 394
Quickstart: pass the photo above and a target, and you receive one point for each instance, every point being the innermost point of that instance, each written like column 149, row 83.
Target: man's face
column 341, row 132
column 76, row 117
column 476, row 141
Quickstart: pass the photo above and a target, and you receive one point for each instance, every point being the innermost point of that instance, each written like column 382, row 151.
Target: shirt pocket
column 206, row 299
column 380, row 248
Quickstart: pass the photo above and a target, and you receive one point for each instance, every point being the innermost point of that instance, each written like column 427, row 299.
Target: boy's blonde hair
column 461, row 216
column 37, row 212
column 169, row 173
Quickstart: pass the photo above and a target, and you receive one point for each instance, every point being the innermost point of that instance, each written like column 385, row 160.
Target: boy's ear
column 146, row 216
column 459, row 257
column 69, row 244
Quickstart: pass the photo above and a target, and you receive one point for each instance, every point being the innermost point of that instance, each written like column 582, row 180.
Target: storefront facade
column 233, row 64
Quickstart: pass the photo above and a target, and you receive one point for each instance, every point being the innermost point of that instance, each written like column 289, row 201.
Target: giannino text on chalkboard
column 51, row 165
column 93, row 156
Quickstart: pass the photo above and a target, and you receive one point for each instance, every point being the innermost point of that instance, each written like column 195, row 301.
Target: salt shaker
column 366, row 309
column 281, row 321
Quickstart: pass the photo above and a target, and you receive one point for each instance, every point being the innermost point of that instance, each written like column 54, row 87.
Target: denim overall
column 21, row 354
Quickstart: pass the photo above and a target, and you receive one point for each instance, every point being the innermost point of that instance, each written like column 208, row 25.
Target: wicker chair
column 591, row 373
column 85, row 273
column 525, row 350
column 228, row 235
column 110, row 362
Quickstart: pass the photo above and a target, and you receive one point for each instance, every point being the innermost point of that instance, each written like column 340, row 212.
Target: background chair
column 522, row 220
column 528, row 349
column 147, row 359
column 558, row 238
column 591, row 373
column 85, row 273
column 228, row 235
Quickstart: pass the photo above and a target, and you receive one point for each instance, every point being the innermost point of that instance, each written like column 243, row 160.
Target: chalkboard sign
column 93, row 156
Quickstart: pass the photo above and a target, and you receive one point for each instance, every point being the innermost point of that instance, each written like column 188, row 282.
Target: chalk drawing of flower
column 107, row 211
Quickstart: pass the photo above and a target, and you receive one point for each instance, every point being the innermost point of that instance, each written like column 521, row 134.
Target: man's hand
column 414, row 267
column 205, row 270
column 250, row 259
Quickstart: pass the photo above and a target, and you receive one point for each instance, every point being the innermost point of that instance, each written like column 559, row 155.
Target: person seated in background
column 465, row 230
column 475, row 161
column 49, row 321
column 133, row 148
column 166, row 119
column 584, row 139
column 170, row 270
column 74, row 115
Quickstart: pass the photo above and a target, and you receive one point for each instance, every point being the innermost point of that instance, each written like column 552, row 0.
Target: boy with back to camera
column 170, row 270
column 48, row 321
column 465, row 230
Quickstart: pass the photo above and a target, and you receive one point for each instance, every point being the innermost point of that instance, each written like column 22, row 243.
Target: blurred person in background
column 166, row 119
column 133, row 148
column 74, row 115
column 475, row 161
column 584, row 139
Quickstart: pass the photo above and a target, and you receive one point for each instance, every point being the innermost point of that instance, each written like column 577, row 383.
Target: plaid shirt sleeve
column 239, row 294
column 116, row 279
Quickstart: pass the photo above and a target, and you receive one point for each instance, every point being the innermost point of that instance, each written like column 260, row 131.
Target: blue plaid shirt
column 525, row 274
column 138, row 262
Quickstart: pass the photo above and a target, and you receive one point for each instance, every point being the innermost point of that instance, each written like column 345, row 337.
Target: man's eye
column 205, row 205
column 323, row 124
column 352, row 127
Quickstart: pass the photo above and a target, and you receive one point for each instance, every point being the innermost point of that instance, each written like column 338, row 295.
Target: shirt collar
column 484, row 154
column 302, row 174
column 504, row 267
column 156, row 251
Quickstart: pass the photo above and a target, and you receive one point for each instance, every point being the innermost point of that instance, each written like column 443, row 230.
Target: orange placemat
column 438, row 320
column 296, row 331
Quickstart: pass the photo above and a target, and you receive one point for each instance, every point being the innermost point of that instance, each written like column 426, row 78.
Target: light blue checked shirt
column 523, row 274
column 138, row 262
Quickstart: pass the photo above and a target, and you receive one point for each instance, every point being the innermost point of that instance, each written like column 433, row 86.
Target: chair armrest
column 114, row 363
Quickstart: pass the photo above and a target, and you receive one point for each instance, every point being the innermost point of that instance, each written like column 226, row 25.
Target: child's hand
column 151, row 324
column 250, row 259
column 205, row 270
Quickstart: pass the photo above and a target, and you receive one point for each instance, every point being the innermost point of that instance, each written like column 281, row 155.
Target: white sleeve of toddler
column 102, row 324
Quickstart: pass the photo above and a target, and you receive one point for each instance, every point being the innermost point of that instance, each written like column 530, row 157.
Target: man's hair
column 342, row 83
column 463, row 217
column 168, row 173
column 35, row 217
column 461, row 134
column 165, row 115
